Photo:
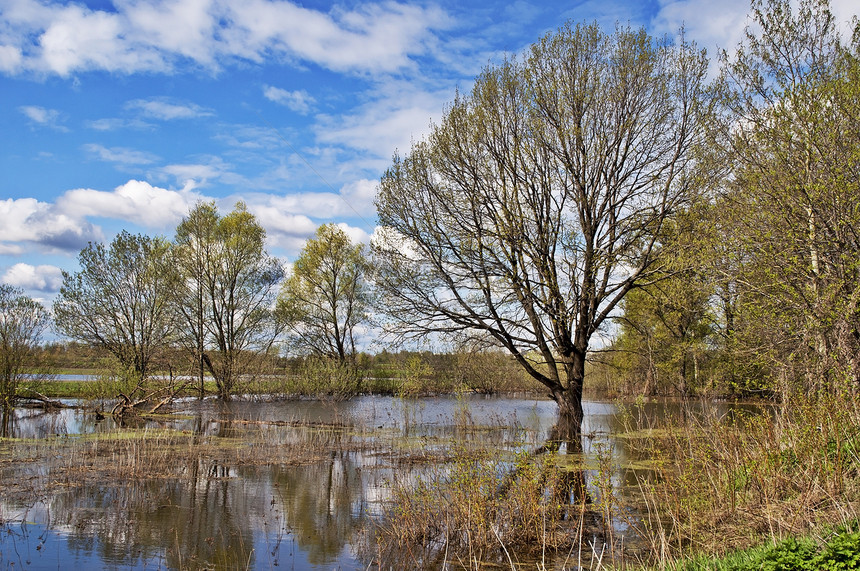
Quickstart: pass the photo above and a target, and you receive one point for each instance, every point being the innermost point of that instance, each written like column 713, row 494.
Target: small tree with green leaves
column 195, row 247
column 326, row 296
column 227, row 292
column 121, row 300
column 22, row 323
column 663, row 334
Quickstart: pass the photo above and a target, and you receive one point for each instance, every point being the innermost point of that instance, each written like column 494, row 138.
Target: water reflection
column 219, row 516
column 288, row 484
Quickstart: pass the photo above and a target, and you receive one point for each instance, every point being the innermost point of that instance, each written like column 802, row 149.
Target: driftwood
column 43, row 401
column 161, row 397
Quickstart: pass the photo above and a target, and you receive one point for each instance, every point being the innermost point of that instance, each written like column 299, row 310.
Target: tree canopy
column 120, row 299
column 229, row 289
column 22, row 323
column 326, row 295
column 537, row 203
column 793, row 189
column 776, row 248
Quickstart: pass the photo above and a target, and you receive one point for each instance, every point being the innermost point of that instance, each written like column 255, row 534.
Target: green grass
column 65, row 389
column 838, row 551
column 99, row 388
column 74, row 371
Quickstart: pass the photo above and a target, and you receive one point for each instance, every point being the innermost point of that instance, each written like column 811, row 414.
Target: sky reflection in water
column 231, row 515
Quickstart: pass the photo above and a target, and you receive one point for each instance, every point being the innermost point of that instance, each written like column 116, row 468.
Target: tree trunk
column 201, row 364
column 685, row 389
column 568, row 427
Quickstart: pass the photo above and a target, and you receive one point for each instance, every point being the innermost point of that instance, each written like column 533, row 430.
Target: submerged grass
column 724, row 482
column 777, row 481
column 35, row 468
column 471, row 514
column 766, row 479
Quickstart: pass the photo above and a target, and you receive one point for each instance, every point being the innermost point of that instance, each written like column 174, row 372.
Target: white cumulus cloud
column 354, row 200
column 714, row 25
column 54, row 37
column 10, row 58
column 720, row 25
column 291, row 219
column 80, row 38
column 66, row 225
column 42, row 278
column 400, row 113
column 356, row 235
column 135, row 201
column 283, row 229
column 32, row 222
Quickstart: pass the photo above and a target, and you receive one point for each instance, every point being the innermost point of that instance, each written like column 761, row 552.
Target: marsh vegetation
column 599, row 207
column 438, row 482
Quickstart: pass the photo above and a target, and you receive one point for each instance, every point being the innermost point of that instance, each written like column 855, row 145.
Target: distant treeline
column 405, row 372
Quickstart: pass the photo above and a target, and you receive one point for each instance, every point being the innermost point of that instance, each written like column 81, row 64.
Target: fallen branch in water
column 164, row 396
column 44, row 402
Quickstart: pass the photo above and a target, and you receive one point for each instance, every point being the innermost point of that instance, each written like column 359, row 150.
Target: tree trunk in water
column 201, row 364
column 221, row 374
column 568, row 427
column 571, row 489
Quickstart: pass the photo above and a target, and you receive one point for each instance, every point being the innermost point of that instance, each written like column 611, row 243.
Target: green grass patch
column 66, row 389
column 838, row 551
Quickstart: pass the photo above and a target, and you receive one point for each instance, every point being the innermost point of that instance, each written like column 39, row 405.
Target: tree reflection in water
column 217, row 515
column 237, row 493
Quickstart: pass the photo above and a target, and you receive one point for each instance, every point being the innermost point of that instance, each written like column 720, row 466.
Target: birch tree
column 791, row 138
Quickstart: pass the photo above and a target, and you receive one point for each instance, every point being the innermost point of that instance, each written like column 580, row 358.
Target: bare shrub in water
column 121, row 391
column 472, row 512
column 158, row 454
column 321, row 376
column 491, row 373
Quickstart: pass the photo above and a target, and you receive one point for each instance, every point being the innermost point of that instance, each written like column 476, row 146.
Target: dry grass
column 481, row 512
column 716, row 482
column 34, row 469
column 728, row 482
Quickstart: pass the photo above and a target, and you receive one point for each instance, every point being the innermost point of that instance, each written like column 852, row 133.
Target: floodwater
column 225, row 513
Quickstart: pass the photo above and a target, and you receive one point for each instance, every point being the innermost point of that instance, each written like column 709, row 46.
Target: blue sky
column 123, row 114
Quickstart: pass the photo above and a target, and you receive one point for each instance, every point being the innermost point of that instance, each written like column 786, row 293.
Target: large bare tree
column 537, row 203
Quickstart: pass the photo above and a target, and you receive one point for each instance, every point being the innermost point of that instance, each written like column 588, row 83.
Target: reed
column 479, row 510
column 727, row 482
column 38, row 468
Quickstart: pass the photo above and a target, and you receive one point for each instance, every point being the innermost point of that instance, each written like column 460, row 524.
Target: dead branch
column 44, row 402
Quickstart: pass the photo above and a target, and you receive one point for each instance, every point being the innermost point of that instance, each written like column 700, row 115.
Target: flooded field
column 250, row 485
